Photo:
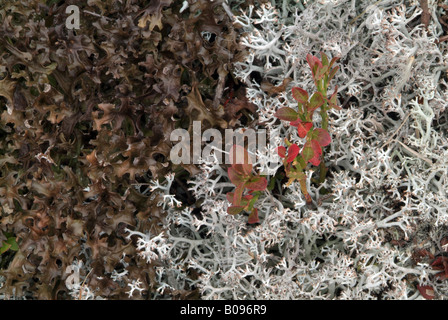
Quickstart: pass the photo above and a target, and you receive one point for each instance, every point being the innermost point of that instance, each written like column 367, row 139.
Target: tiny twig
column 443, row 38
column 97, row 15
column 81, row 290
column 362, row 13
column 415, row 153
column 396, row 131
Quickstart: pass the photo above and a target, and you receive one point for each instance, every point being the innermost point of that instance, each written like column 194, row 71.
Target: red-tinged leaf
column 437, row 264
column 240, row 160
column 253, row 216
column 295, row 123
column 244, row 200
column 296, row 175
column 257, row 184
column 238, row 195
column 333, row 61
column 281, row 151
column 300, row 95
column 426, row 291
column 293, row 151
column 234, row 210
column 286, row 114
column 321, row 136
column 307, row 152
column 332, row 73
column 320, row 72
column 5, row 247
column 324, row 58
column 315, row 160
column 230, row 196
column 303, row 128
column 313, row 62
column 333, row 101
column 243, row 169
column 235, row 177
column 316, row 101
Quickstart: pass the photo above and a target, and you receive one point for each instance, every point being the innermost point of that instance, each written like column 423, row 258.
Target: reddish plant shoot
column 295, row 158
column 241, row 175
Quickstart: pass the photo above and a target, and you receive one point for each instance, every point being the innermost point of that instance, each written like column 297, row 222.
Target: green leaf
column 13, row 243
column 296, row 175
column 5, row 247
column 333, row 61
column 234, row 210
column 307, row 152
column 320, row 72
column 332, row 73
column 324, row 59
column 333, row 101
column 300, row 95
column 316, row 101
column 286, row 114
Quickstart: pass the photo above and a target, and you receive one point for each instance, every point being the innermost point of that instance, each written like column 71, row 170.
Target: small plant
column 241, row 175
column 9, row 244
column 296, row 159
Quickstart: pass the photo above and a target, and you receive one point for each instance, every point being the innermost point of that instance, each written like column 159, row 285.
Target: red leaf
column 244, row 200
column 234, row 176
column 293, row 151
column 300, row 95
column 426, row 291
column 257, row 184
column 286, row 114
column 281, row 151
column 313, row 62
column 240, row 160
column 438, row 263
column 315, row 160
column 303, row 128
column 238, row 195
column 253, row 216
column 321, row 136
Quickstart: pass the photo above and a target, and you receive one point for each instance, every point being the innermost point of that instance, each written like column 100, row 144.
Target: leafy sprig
column 241, row 175
column 295, row 158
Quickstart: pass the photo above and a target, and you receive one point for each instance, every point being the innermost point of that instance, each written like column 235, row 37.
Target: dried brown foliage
column 87, row 114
